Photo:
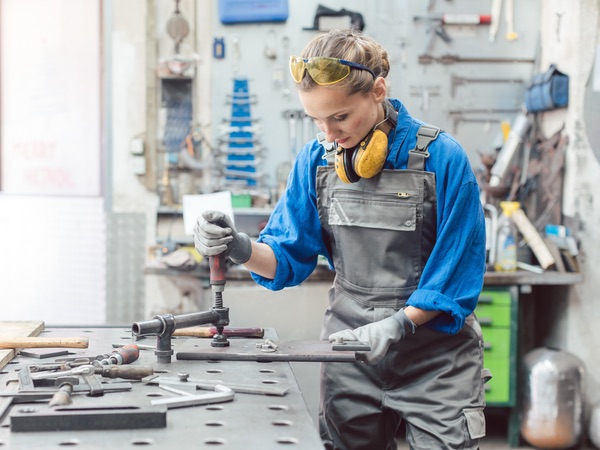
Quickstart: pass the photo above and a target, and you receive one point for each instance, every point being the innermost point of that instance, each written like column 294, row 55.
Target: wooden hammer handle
column 40, row 342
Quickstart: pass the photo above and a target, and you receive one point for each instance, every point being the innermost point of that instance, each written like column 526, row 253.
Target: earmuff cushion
column 370, row 158
column 343, row 165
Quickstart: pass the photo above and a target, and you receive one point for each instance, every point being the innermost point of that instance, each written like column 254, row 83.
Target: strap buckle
column 425, row 136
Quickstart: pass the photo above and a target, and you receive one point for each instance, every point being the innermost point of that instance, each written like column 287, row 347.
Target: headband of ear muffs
column 368, row 158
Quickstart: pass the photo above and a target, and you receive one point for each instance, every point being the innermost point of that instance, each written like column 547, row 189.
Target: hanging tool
column 456, row 80
column 438, row 22
column 177, row 27
column 495, row 23
column 509, row 12
column 451, row 59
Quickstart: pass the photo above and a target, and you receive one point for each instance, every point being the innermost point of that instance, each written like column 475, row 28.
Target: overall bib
column 382, row 231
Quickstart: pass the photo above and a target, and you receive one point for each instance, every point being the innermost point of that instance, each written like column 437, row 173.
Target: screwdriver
column 128, row 373
column 124, row 355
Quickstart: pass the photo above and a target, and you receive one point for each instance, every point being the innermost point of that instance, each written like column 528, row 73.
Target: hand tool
column 124, row 355
column 80, row 370
column 208, row 332
column 38, row 342
column 140, row 346
column 451, row 59
column 495, row 19
column 437, row 29
column 62, row 397
column 209, row 385
column 217, row 283
column 164, row 325
column 456, row 80
column 510, row 16
column 128, row 372
column 221, row 394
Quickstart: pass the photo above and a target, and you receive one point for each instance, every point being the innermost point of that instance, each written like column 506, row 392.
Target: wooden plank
column 15, row 329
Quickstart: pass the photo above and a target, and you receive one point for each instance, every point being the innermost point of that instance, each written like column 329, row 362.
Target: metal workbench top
column 248, row 422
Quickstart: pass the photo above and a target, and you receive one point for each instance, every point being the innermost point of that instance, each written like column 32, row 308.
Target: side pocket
column 475, row 422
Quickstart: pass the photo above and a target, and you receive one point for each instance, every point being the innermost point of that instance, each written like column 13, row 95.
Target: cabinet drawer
column 493, row 316
column 497, row 390
column 495, row 298
column 496, row 342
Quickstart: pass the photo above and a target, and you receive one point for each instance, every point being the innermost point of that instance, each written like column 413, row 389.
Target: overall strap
column 418, row 155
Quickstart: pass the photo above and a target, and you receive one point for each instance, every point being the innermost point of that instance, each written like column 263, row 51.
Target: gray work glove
column 214, row 234
column 379, row 335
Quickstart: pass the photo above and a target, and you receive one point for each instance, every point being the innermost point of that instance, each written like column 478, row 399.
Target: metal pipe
column 156, row 326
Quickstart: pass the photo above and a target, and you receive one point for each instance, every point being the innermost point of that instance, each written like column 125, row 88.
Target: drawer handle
column 485, row 320
column 487, row 345
column 486, row 299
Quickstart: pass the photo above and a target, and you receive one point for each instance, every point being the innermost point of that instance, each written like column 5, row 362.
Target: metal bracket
column 252, row 350
column 44, row 418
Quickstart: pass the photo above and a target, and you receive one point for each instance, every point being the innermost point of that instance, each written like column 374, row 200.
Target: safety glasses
column 324, row 71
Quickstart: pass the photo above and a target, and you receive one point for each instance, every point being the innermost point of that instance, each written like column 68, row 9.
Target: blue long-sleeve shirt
column 452, row 277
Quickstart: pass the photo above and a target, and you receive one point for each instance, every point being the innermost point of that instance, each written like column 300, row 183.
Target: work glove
column 214, row 234
column 379, row 335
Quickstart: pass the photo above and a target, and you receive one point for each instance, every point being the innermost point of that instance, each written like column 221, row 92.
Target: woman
column 394, row 206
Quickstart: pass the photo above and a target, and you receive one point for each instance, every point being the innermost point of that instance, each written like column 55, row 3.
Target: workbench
column 510, row 329
column 249, row 421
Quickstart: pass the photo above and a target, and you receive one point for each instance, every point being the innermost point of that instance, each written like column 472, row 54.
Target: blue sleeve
column 452, row 279
column 294, row 230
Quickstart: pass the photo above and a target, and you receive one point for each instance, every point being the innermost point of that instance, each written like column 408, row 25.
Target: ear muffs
column 343, row 165
column 363, row 161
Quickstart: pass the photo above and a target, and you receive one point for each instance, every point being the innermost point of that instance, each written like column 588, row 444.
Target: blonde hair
column 351, row 45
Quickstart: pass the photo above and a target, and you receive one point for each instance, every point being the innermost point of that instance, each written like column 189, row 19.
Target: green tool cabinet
column 498, row 316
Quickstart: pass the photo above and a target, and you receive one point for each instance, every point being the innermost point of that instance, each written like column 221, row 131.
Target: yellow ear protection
column 368, row 158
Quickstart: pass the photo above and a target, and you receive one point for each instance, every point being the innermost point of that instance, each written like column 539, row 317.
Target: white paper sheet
column 195, row 205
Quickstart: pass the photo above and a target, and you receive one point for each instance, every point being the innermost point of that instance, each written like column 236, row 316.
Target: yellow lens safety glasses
column 324, row 71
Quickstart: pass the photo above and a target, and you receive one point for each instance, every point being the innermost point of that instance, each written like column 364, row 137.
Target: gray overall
column 382, row 231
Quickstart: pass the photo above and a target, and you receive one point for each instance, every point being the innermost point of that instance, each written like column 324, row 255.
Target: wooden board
column 13, row 329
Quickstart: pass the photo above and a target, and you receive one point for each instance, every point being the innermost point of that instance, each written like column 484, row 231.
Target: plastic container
column 506, row 242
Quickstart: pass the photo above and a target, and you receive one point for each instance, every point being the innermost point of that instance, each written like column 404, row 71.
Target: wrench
column 84, row 370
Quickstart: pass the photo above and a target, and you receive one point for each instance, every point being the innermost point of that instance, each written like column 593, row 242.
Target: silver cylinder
column 552, row 406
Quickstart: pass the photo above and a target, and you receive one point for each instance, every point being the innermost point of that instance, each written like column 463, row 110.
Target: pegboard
column 451, row 96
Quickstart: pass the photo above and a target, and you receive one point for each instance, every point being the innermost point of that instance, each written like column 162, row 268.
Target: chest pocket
column 396, row 212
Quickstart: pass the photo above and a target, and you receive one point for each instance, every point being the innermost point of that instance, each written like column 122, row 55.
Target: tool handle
column 217, row 269
column 208, row 332
column 126, row 354
column 128, row 372
column 37, row 342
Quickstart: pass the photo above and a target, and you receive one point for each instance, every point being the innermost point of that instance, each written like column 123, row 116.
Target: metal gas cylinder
column 552, row 406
